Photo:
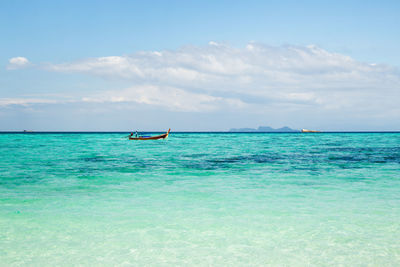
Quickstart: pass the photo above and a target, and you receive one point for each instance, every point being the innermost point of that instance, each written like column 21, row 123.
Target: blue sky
column 80, row 54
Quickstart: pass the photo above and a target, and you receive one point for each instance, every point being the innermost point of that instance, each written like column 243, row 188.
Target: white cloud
column 25, row 101
column 292, row 74
column 167, row 97
column 17, row 63
column 255, row 79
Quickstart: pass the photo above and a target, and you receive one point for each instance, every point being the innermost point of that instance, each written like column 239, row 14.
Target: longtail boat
column 161, row 136
column 309, row 131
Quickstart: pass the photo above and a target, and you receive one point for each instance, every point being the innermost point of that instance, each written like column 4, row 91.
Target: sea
column 200, row 199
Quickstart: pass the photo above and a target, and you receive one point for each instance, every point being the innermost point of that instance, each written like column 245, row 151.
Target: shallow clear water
column 200, row 199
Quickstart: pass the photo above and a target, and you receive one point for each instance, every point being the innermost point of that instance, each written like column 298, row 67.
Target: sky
column 199, row 65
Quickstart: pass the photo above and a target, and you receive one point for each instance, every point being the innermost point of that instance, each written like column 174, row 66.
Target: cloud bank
column 255, row 79
column 255, row 75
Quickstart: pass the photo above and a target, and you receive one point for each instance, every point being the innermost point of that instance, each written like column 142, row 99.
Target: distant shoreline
column 196, row 132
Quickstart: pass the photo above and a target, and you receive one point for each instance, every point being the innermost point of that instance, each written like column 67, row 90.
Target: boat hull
column 309, row 131
column 161, row 136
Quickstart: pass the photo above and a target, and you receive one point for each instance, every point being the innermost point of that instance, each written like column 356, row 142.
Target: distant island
column 264, row 129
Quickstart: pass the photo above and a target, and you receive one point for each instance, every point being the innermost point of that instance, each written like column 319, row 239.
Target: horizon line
column 232, row 132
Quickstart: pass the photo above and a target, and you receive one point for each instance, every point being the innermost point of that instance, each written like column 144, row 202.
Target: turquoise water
column 200, row 199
